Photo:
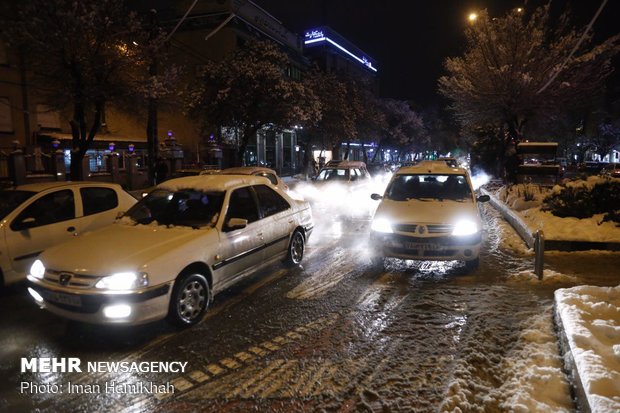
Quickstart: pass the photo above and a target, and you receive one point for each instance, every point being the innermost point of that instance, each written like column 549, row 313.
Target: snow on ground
column 535, row 380
column 526, row 199
column 526, row 368
column 549, row 277
column 591, row 319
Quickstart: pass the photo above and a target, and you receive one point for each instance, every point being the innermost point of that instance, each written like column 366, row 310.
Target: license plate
column 62, row 298
column 421, row 247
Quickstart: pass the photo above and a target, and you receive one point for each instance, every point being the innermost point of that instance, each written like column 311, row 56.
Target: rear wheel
column 189, row 300
column 296, row 248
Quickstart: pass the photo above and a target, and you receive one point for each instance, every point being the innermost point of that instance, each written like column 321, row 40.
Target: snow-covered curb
column 588, row 319
column 513, row 218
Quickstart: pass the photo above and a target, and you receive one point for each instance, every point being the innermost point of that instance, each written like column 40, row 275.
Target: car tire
column 189, row 300
column 473, row 264
column 377, row 261
column 296, row 249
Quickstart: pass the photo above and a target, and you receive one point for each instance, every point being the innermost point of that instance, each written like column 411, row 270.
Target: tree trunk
column 82, row 140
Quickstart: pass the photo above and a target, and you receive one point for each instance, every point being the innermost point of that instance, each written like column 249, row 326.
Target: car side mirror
column 236, row 223
column 376, row 197
column 26, row 223
column 483, row 198
column 120, row 214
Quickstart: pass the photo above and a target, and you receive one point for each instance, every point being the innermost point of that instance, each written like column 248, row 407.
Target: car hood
column 432, row 211
column 118, row 247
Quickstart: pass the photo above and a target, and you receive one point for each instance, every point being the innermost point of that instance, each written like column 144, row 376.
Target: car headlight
column 381, row 225
column 123, row 281
column 465, row 227
column 37, row 269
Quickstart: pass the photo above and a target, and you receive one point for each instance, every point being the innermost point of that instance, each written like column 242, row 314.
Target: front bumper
column 439, row 248
column 88, row 305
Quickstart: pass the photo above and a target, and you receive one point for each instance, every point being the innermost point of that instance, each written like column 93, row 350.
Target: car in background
column 350, row 172
column 428, row 212
column 187, row 240
column 342, row 189
column 451, row 162
column 34, row 217
column 257, row 171
column 612, row 170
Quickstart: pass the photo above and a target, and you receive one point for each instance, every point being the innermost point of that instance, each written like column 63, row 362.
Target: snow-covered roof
column 43, row 186
column 431, row 167
column 247, row 170
column 214, row 182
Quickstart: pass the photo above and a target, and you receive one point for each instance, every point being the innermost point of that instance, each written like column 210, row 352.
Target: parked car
column 257, row 171
column 34, row 217
column 428, row 212
column 612, row 170
column 187, row 240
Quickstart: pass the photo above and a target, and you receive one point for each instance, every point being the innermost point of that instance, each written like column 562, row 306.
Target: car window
column 242, row 205
column 406, row 187
column 269, row 201
column 269, row 176
column 190, row 208
column 9, row 200
column 55, row 207
column 98, row 199
column 333, row 175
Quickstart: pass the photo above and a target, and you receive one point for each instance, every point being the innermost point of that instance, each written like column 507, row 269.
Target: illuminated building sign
column 316, row 36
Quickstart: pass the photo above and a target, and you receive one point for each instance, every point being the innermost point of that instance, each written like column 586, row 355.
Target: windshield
column 9, row 200
column 406, row 187
column 184, row 207
column 333, row 175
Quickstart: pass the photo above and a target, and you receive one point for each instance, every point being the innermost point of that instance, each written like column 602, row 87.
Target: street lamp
column 472, row 17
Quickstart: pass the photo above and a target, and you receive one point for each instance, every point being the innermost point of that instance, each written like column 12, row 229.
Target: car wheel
column 295, row 249
column 189, row 300
column 377, row 261
column 473, row 264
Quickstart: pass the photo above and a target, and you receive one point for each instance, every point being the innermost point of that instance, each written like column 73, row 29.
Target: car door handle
column 71, row 229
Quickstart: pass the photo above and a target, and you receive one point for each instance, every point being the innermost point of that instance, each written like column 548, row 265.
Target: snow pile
column 522, row 196
column 536, row 382
column 591, row 320
column 571, row 229
column 526, row 200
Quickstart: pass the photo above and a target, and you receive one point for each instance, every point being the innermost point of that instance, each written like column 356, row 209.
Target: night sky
column 411, row 39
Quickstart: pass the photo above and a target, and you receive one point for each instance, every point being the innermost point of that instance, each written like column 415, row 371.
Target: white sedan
column 187, row 240
column 34, row 217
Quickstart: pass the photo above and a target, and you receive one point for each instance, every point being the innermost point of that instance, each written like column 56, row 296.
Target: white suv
column 428, row 212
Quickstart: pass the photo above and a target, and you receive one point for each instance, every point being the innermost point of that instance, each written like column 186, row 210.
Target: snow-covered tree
column 521, row 68
column 403, row 128
column 81, row 55
column 249, row 90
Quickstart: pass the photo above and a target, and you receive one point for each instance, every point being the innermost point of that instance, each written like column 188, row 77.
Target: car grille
column 439, row 229
column 432, row 228
column 405, row 227
column 73, row 280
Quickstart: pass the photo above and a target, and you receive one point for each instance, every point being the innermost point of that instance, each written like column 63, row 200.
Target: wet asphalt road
column 334, row 335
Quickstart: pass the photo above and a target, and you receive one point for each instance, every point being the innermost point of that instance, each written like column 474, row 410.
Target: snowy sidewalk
column 588, row 320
